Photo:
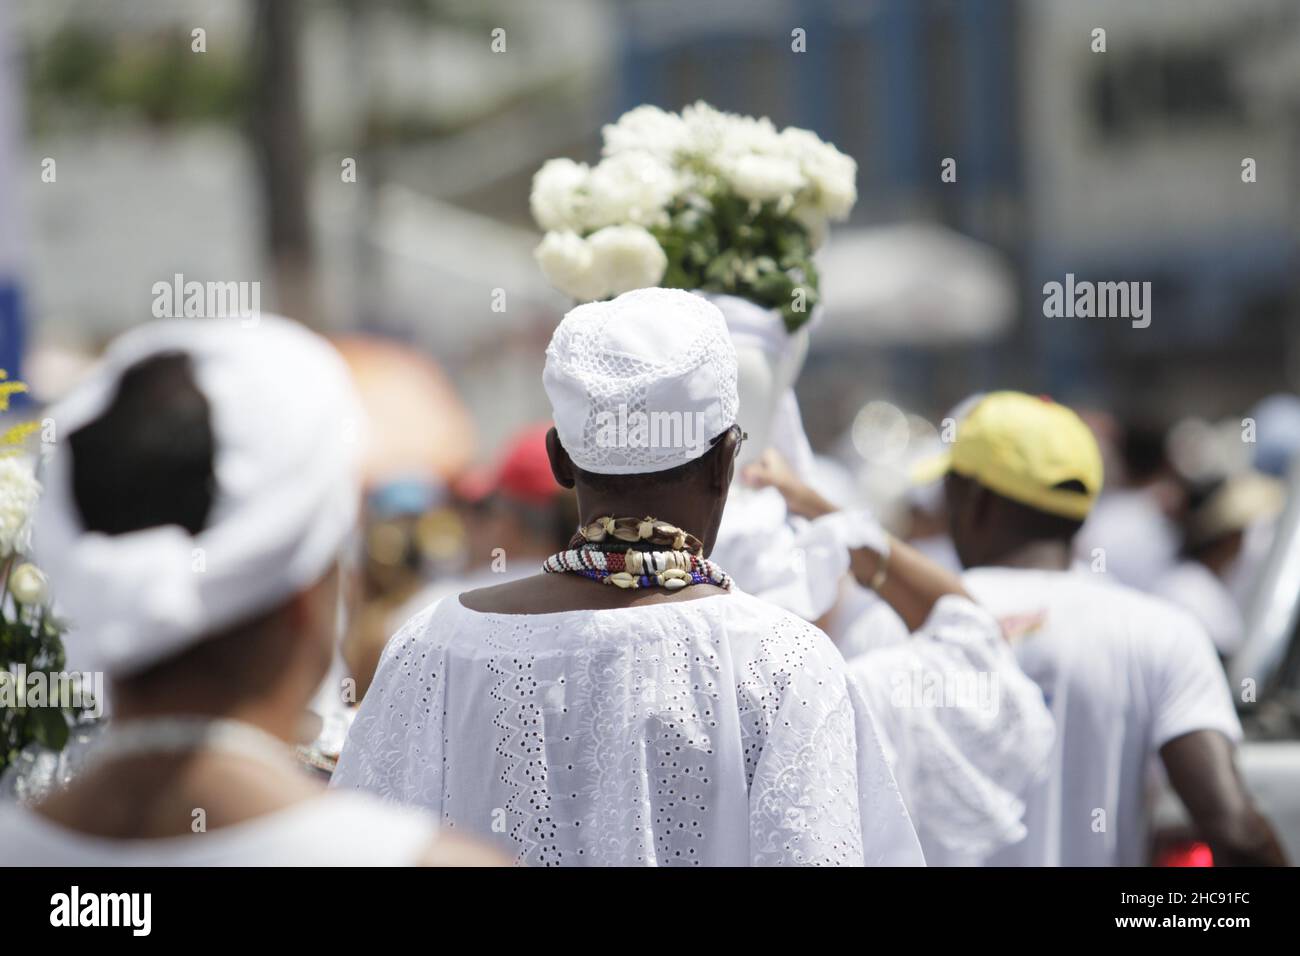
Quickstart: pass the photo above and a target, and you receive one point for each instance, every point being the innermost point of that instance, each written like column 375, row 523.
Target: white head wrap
column 755, row 326
column 641, row 383
column 287, row 428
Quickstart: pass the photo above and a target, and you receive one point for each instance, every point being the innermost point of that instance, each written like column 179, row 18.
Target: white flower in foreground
column 646, row 129
column 557, row 197
column 706, row 127
column 629, row 188
column 716, row 136
column 566, row 260
column 832, row 175
column 626, row 258
column 19, row 490
column 28, row 585
column 764, row 177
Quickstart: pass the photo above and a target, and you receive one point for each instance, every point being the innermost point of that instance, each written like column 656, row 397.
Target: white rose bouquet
column 697, row 200
column 31, row 644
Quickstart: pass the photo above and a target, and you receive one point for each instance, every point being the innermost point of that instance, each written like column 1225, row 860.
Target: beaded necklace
column 627, row 560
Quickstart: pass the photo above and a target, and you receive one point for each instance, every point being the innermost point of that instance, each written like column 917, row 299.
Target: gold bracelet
column 878, row 579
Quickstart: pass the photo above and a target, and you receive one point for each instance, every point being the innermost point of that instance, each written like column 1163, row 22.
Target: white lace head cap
column 287, row 428
column 641, row 383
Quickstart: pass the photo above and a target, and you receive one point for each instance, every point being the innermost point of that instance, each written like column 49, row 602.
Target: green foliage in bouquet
column 31, row 645
column 701, row 199
column 37, row 701
column 744, row 248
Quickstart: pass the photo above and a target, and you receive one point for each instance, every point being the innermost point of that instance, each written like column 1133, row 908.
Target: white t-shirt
column 1195, row 588
column 1123, row 674
column 334, row 829
column 719, row 731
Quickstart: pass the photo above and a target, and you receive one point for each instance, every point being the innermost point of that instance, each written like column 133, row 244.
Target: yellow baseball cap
column 1025, row 447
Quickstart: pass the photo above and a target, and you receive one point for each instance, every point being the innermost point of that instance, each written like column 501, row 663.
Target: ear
column 724, row 463
column 561, row 464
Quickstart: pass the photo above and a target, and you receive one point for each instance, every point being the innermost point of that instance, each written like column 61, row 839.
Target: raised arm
column 903, row 577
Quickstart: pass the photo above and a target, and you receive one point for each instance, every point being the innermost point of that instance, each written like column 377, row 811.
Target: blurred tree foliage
column 155, row 77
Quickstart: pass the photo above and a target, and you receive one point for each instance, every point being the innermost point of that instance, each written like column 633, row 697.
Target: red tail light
column 1185, row 853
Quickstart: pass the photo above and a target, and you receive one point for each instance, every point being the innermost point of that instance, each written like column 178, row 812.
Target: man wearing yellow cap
column 1125, row 675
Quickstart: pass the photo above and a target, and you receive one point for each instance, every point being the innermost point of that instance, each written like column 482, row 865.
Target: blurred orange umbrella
column 419, row 427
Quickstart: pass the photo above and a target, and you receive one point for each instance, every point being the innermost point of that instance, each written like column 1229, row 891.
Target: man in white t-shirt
column 1126, row 676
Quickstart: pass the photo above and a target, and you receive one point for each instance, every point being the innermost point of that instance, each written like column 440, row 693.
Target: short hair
column 1027, row 523
column 147, row 460
column 1143, row 450
column 681, row 474
column 1033, row 524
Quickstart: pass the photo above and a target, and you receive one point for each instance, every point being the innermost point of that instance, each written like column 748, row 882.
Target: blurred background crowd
column 231, row 163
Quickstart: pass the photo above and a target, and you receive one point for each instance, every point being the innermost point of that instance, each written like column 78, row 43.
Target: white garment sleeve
column 1189, row 689
column 387, row 750
column 781, row 558
column 822, row 791
column 966, row 729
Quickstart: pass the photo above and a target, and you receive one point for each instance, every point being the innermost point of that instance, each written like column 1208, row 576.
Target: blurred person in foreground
column 1126, row 676
column 629, row 706
column 193, row 518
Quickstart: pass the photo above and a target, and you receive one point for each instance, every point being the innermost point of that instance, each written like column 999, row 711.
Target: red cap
column 523, row 472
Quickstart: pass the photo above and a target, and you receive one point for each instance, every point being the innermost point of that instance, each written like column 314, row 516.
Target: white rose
column 749, row 134
column 629, row 188
column 715, row 136
column 28, row 585
column 706, row 128
column 646, row 129
column 19, row 490
column 558, row 194
column 626, row 258
column 566, row 260
column 835, row 181
column 764, row 177
column 832, row 174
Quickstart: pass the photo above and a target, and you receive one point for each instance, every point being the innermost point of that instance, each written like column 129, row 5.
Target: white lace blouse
column 719, row 731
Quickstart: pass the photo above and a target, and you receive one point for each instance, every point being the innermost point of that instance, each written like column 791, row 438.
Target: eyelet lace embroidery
column 624, row 383
column 660, row 735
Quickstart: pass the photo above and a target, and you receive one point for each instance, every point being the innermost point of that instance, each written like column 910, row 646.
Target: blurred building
column 1116, row 165
column 1133, row 171
column 1122, row 165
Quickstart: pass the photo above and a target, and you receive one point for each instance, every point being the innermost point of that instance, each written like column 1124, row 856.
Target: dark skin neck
column 694, row 505
column 990, row 531
column 153, row 795
column 1044, row 555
